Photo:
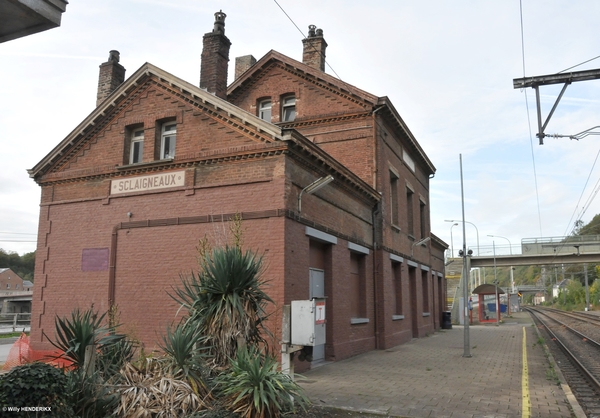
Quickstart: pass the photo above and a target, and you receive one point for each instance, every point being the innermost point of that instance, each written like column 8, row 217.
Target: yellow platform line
column 526, row 401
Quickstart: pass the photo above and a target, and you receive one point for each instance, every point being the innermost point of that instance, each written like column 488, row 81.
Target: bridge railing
column 15, row 320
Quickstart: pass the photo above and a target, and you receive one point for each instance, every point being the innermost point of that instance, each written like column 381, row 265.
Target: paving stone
column 429, row 377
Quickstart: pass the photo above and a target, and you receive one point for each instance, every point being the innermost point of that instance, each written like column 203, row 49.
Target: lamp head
column 422, row 241
column 317, row 184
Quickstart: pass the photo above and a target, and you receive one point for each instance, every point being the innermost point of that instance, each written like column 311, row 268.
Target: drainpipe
column 374, row 214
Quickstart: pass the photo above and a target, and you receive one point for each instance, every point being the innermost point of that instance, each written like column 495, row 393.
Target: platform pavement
column 430, row 377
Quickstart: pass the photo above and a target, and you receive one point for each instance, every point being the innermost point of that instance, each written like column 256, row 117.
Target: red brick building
column 161, row 163
column 11, row 281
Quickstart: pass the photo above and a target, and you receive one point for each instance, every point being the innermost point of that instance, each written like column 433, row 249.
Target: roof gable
column 309, row 74
column 267, row 137
column 81, row 139
column 369, row 102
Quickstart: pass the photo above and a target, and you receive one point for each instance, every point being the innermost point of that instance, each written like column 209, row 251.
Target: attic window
column 288, row 108
column 264, row 110
column 137, row 146
column 167, row 142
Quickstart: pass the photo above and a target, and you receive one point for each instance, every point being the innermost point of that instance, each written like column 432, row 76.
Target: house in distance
column 161, row 163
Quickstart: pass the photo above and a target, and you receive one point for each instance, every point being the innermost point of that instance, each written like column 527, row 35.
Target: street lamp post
column 509, row 243
column 467, row 222
column 512, row 279
column 452, row 239
column 496, row 286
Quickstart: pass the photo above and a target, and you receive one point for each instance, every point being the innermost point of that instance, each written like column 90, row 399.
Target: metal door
column 317, row 290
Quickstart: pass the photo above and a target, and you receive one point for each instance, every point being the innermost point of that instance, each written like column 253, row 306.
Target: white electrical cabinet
column 308, row 322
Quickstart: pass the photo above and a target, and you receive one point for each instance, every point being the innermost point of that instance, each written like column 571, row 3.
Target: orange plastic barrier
column 21, row 353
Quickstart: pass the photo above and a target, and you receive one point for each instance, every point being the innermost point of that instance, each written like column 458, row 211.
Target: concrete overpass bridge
column 533, row 259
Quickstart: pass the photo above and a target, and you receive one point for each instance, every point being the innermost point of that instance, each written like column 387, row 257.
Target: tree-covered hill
column 22, row 265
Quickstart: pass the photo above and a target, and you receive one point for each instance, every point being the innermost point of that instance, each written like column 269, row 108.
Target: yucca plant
column 225, row 301
column 112, row 357
column 150, row 391
column 254, row 388
column 85, row 328
column 185, row 356
column 89, row 395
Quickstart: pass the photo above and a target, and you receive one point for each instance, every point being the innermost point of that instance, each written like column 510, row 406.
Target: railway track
column 574, row 341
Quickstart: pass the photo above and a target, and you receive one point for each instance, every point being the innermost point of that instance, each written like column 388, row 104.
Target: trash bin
column 446, row 320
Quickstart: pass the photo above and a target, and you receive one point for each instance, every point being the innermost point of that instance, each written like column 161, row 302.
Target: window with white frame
column 136, row 152
column 168, row 139
column 288, row 108
column 264, row 110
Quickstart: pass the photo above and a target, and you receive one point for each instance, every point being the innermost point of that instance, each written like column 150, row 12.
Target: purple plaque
column 94, row 259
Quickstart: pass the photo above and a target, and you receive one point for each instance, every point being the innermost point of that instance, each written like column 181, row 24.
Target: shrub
column 90, row 392
column 89, row 396
column 185, row 357
column 225, row 301
column 85, row 328
column 35, row 384
column 149, row 391
column 254, row 388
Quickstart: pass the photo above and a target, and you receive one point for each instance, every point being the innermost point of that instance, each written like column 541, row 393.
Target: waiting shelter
column 489, row 299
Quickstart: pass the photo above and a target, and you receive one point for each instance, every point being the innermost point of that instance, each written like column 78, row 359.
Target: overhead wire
column 304, row 37
column 576, row 136
column 537, row 195
column 581, row 63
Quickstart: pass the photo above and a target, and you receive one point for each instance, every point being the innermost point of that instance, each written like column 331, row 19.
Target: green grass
column 12, row 334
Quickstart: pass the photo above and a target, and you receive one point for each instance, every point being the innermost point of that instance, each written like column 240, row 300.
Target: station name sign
column 146, row 183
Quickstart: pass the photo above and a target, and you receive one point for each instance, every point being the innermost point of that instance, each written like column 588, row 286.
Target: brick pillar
column 313, row 53
column 112, row 75
column 215, row 57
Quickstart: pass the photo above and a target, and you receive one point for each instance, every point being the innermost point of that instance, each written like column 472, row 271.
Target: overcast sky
column 447, row 66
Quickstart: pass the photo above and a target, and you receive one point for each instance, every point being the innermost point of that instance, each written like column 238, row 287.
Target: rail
column 15, row 320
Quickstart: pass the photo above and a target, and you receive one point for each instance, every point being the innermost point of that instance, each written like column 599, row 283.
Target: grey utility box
column 308, row 322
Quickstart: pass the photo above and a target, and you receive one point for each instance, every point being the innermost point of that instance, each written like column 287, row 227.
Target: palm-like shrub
column 89, row 395
column 85, row 328
column 225, row 301
column 150, row 391
column 90, row 392
column 185, row 357
column 254, row 388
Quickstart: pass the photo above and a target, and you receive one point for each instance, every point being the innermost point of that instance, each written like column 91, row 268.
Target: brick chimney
column 314, row 48
column 215, row 57
column 112, row 75
column 242, row 64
